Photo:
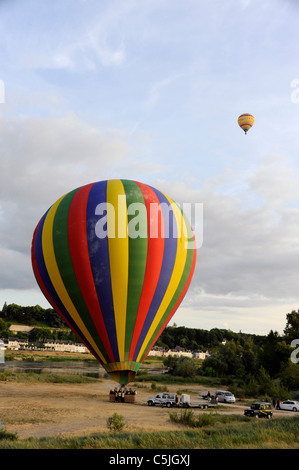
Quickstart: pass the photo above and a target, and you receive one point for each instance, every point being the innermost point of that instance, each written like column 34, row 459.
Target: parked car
column 167, row 399
column 289, row 405
column 259, row 409
column 224, row 396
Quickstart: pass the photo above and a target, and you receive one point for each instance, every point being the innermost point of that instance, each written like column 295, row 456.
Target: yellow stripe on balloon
column 177, row 272
column 53, row 271
column 118, row 244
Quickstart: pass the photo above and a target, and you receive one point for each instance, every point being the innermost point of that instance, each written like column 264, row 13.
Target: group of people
column 119, row 393
column 210, row 397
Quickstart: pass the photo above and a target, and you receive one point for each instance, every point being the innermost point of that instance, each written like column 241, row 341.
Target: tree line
column 198, row 339
column 47, row 323
column 258, row 366
column 258, row 362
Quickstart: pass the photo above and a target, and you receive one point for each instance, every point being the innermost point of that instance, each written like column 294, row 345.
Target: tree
column 269, row 356
column 185, row 367
column 290, row 376
column 291, row 330
column 181, row 366
column 39, row 334
column 4, row 309
column 4, row 329
column 250, row 356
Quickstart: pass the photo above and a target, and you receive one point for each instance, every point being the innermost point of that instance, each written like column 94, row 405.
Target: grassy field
column 281, row 433
column 210, row 430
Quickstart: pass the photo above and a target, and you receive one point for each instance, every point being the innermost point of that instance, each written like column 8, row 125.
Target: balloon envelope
column 113, row 258
column 245, row 121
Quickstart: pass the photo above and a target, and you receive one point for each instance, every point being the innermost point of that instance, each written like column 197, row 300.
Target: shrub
column 188, row 418
column 7, row 435
column 210, row 372
column 116, row 423
column 157, row 388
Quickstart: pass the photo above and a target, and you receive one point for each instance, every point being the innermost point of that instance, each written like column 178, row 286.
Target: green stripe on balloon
column 137, row 256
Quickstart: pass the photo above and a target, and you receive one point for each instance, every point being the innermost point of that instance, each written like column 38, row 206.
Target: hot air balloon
column 111, row 258
column 245, row 121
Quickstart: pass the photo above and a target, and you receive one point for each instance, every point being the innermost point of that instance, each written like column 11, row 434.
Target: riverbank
column 64, row 412
column 71, row 411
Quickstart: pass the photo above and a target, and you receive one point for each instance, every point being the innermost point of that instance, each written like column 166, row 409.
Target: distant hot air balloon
column 112, row 259
column 245, row 121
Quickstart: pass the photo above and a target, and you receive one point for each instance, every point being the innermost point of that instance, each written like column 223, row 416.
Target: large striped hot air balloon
column 246, row 121
column 113, row 258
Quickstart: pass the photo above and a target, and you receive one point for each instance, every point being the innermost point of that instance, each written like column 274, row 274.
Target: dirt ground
column 39, row 410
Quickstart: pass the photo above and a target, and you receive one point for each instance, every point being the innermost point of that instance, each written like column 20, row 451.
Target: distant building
column 65, row 346
column 62, row 346
column 2, row 352
column 21, row 328
column 15, row 344
column 177, row 351
column 200, row 354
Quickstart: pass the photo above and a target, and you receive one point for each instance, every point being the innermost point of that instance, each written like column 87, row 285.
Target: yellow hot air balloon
column 245, row 121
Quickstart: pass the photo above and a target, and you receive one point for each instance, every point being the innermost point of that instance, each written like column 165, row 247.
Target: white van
column 225, row 396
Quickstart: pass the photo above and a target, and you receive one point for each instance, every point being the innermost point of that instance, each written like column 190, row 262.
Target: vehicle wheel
column 269, row 416
column 150, row 403
column 257, row 416
column 294, row 409
column 168, row 405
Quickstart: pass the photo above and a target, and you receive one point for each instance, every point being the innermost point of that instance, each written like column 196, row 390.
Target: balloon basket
column 122, row 395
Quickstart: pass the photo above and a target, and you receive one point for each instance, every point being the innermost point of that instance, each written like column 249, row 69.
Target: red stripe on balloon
column 155, row 251
column 45, row 291
column 177, row 303
column 78, row 244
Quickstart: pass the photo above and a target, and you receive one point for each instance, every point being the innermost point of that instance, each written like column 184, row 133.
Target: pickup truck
column 166, row 399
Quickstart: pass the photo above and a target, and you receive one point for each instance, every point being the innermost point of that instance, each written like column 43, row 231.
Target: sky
column 150, row 90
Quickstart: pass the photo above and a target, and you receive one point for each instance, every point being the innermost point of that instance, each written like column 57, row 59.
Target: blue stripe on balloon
column 169, row 256
column 100, row 263
column 49, row 286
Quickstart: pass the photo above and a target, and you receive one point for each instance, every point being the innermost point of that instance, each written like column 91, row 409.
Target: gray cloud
column 42, row 159
column 250, row 253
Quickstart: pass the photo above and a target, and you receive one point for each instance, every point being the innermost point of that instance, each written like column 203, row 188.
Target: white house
column 65, row 346
column 160, row 352
column 15, row 343
column 200, row 354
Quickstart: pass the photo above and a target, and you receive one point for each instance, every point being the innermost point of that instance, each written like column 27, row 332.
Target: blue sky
column 151, row 90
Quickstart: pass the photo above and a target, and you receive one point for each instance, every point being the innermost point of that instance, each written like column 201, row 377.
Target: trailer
column 185, row 402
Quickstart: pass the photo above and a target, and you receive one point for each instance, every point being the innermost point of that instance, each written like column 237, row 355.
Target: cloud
column 250, row 252
column 245, row 3
column 155, row 90
column 42, row 159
